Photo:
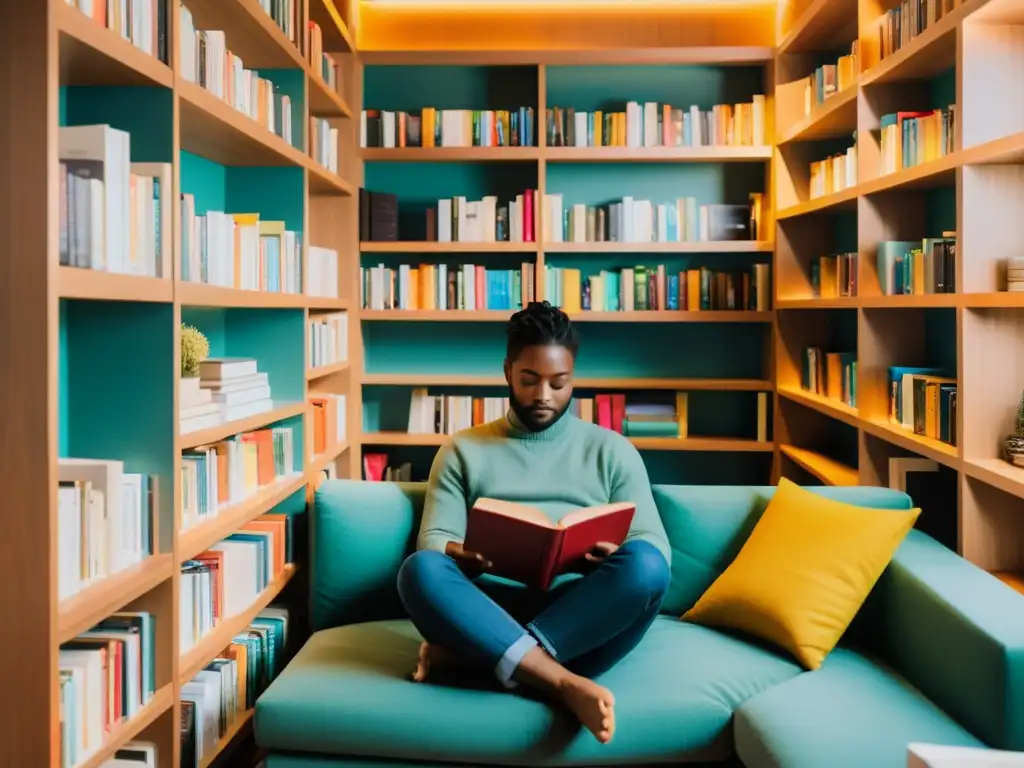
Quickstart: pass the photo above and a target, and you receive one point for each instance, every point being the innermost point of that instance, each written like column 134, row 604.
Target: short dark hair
column 540, row 324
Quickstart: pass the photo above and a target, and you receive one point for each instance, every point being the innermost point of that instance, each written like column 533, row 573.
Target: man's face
column 540, row 384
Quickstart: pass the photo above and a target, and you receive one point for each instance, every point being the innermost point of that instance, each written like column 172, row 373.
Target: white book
column 106, row 477
column 937, row 756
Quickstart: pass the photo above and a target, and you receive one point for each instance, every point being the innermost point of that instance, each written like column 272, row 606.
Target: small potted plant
column 194, row 349
column 1013, row 446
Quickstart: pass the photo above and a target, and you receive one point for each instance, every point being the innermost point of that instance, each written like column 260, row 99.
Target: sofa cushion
column 850, row 713
column 347, row 692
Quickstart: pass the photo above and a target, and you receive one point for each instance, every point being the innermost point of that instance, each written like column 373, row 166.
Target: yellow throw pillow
column 805, row 571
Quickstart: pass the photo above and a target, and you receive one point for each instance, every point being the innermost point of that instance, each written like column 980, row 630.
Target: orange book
column 525, row 545
column 277, row 530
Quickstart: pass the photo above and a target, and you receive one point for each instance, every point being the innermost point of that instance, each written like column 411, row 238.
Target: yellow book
column 683, row 413
column 598, row 129
column 693, row 290
column 570, row 290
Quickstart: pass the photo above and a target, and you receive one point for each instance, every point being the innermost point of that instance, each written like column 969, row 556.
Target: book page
column 578, row 516
column 512, row 509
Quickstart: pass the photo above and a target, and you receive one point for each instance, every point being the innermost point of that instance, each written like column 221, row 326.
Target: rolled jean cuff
column 545, row 643
column 510, row 660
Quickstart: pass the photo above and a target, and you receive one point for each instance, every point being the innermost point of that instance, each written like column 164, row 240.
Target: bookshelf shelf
column 78, row 283
column 724, row 246
column 337, row 36
column 827, row 470
column 325, row 101
column 324, row 182
column 236, row 732
column 936, row 450
column 126, row 730
column 91, row 54
column 845, row 199
column 438, row 247
column 580, row 383
column 326, row 370
column 321, row 461
column 97, row 601
column 220, row 636
column 823, row 25
column 709, row 444
column 721, row 55
column 997, row 473
column 712, row 154
column 450, row 154
column 836, row 116
column 201, row 537
column 324, row 302
column 203, row 295
column 821, row 404
column 437, row 315
column 221, row 431
column 842, row 303
column 675, row 316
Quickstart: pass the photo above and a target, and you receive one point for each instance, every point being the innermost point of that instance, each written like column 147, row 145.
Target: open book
column 525, row 545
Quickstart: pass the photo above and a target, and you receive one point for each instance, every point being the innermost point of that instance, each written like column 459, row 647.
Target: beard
column 531, row 418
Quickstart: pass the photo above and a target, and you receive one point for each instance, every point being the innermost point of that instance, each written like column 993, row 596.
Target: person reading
column 542, row 456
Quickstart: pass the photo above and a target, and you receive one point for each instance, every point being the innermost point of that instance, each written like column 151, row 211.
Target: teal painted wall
column 144, row 112
column 291, row 83
column 116, row 387
column 940, row 339
column 409, row 89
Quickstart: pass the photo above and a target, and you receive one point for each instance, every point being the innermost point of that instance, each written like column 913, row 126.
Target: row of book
column 105, row 521
column 143, row 23
column 658, row 125
column 230, row 684
column 376, row 468
column 107, row 675
column 642, row 221
column 322, row 272
column 829, row 79
column 328, row 416
column 440, row 286
column 834, row 276
column 226, row 579
column 911, row 138
column 284, row 13
column 114, row 214
column 916, row 267
column 458, row 220
column 643, row 288
column 239, row 250
column 217, row 476
column 323, row 141
column 834, row 173
column 328, row 338
column 447, row 414
column 830, row 374
column 227, row 388
column 662, row 415
column 388, row 129
column 322, row 63
column 924, row 400
column 206, row 61
column 908, row 19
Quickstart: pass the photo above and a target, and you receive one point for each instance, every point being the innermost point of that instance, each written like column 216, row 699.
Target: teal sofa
column 935, row 655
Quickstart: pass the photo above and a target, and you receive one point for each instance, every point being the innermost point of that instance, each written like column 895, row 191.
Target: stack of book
column 107, row 675
column 835, row 173
column 237, row 384
column 447, row 128
column 834, row 277
column 322, row 272
column 217, row 476
column 230, row 684
column 447, row 414
column 458, row 220
column 227, row 578
column 830, row 374
column 652, row 417
column 918, row 266
column 104, row 521
column 832, row 78
column 328, row 421
column 328, row 338
column 912, row 138
column 139, row 21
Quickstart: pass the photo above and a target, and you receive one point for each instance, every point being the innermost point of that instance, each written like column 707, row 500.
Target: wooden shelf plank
column 675, row 316
column 450, row 154
column 823, row 26
column 323, row 371
column 911, row 301
column 836, row 116
column 191, row 294
column 320, row 462
column 84, row 610
column 227, row 429
column 201, row 537
column 436, row 247
column 324, row 101
column 936, row 450
column 219, row 638
column 91, row 54
column 998, row 473
column 325, row 182
column 826, row 405
column 843, row 200
column 127, row 730
column 78, row 283
column 717, row 54
column 994, row 300
column 585, row 382
column 717, row 246
column 715, row 154
column 236, row 732
column 711, row 444
column 437, row 315
column 326, row 302
column 828, row 471
column 335, row 32
column 251, row 34
column 848, row 302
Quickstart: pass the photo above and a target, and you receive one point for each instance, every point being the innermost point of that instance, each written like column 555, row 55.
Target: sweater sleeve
column 629, row 482
column 444, row 508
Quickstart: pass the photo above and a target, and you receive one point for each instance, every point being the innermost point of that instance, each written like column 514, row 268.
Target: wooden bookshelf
column 55, row 48
column 974, row 190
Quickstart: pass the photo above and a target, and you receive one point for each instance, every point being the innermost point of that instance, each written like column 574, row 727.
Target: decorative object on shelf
column 1013, row 445
column 194, row 349
column 1015, row 274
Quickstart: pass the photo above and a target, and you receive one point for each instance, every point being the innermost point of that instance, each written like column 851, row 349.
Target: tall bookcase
column 91, row 358
column 972, row 333
column 722, row 358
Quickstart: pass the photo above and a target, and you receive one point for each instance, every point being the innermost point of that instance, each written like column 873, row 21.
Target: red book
column 524, row 545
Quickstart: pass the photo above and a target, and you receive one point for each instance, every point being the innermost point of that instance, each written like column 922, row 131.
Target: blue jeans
column 587, row 624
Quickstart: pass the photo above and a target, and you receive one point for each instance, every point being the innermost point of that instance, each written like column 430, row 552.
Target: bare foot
column 436, row 658
column 593, row 705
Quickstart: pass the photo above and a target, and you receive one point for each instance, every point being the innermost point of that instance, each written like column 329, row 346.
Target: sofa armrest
column 361, row 533
column 957, row 634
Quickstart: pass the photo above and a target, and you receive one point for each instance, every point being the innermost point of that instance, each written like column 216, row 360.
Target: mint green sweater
column 571, row 464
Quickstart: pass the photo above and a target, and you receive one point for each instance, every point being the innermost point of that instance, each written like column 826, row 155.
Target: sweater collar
column 515, row 428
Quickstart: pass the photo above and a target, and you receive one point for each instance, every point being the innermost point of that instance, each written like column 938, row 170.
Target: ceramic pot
column 1013, row 450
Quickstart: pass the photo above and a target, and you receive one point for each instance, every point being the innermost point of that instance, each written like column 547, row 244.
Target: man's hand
column 600, row 551
column 471, row 563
